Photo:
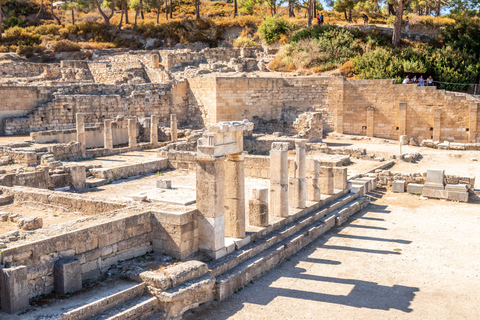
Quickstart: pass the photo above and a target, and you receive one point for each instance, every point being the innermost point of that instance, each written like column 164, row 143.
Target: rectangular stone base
column 433, row 193
column 414, row 188
column 398, row 186
column 458, row 196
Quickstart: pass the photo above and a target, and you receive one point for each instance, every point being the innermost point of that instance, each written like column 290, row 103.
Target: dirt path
column 390, row 262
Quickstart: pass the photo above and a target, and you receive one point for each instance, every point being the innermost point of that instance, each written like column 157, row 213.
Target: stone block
column 457, row 196
column 278, row 200
column 14, row 289
column 414, row 188
column 456, row 187
column 435, row 179
column 259, row 193
column 398, row 186
column 30, row 223
column 434, row 193
column 164, row 184
column 67, row 275
column 258, row 213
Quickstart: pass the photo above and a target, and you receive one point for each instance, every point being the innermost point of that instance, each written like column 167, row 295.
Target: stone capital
column 301, row 142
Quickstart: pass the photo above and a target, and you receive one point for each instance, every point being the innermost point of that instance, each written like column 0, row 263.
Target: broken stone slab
column 30, row 223
column 174, row 276
column 398, row 186
column 138, row 197
column 414, row 188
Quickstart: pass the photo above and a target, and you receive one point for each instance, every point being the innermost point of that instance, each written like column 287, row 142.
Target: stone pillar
column 340, row 179
column 258, row 207
column 79, row 177
column 154, row 61
column 313, row 189
column 279, row 179
column 436, row 124
column 297, row 185
column 80, row 117
column 132, row 133
column 67, row 275
column 472, row 130
column 14, row 289
column 402, row 119
column 235, row 196
column 370, row 121
column 154, row 130
column 326, row 180
column 173, row 127
column 339, row 102
column 210, row 204
column 107, row 135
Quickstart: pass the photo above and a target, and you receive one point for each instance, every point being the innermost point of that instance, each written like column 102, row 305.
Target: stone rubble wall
column 385, row 179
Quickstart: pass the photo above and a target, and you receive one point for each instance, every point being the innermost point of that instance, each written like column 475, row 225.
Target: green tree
column 2, row 2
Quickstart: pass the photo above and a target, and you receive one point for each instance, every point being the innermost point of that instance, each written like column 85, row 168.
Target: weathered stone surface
column 30, row 223
column 15, row 290
column 398, row 186
column 67, row 275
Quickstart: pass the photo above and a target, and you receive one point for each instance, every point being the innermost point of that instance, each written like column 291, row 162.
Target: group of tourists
column 420, row 81
column 320, row 18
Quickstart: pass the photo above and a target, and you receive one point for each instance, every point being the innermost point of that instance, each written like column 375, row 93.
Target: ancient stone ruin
column 152, row 182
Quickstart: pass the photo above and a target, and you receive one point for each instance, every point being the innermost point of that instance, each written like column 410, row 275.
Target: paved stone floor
column 400, row 258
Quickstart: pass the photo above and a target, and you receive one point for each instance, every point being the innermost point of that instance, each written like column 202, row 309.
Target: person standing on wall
column 365, row 19
column 319, row 20
column 407, row 25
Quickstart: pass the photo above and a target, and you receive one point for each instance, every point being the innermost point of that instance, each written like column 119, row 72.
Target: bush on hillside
column 271, row 29
column 64, row 46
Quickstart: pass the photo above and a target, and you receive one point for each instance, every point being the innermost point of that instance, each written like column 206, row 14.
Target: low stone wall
column 385, row 179
column 116, row 173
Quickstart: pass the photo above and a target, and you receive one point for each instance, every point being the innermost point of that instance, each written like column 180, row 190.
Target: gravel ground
column 400, row 258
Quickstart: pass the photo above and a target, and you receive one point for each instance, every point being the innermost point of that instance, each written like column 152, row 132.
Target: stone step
column 93, row 183
column 139, row 307
column 237, row 277
column 99, row 306
column 221, row 266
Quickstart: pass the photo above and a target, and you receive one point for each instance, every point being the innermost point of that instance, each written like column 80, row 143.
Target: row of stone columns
column 132, row 132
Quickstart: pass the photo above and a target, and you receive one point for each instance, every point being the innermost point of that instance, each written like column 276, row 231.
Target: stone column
column 326, row 180
column 154, row 130
column 14, row 289
column 154, row 61
column 173, row 127
column 297, row 185
column 279, row 179
column 313, row 189
column 258, row 207
column 436, row 124
column 340, row 178
column 79, row 177
column 235, row 196
column 108, row 135
column 402, row 119
column 210, row 204
column 472, row 130
column 80, row 117
column 132, row 133
column 370, row 121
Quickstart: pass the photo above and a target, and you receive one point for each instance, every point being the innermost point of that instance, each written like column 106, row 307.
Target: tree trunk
column 105, row 17
column 54, row 15
column 1, row 21
column 345, row 14
column 141, row 10
column 121, row 20
column 397, row 28
column 235, row 8
column 166, row 10
column 158, row 15
column 125, row 5
column 390, row 9
column 309, row 12
column 437, row 12
column 38, row 14
column 170, row 8
column 350, row 16
column 73, row 12
column 135, row 24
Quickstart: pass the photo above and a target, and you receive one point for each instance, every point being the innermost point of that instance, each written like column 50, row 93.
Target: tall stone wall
column 102, row 102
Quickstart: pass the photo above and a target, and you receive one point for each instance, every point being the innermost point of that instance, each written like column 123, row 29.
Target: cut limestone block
column 457, row 196
column 398, row 186
column 30, row 223
column 164, row 184
column 414, row 188
column 67, row 275
column 14, row 289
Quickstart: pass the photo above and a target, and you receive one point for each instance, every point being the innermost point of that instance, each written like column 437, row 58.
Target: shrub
column 244, row 42
column 64, row 46
column 271, row 29
column 20, row 37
